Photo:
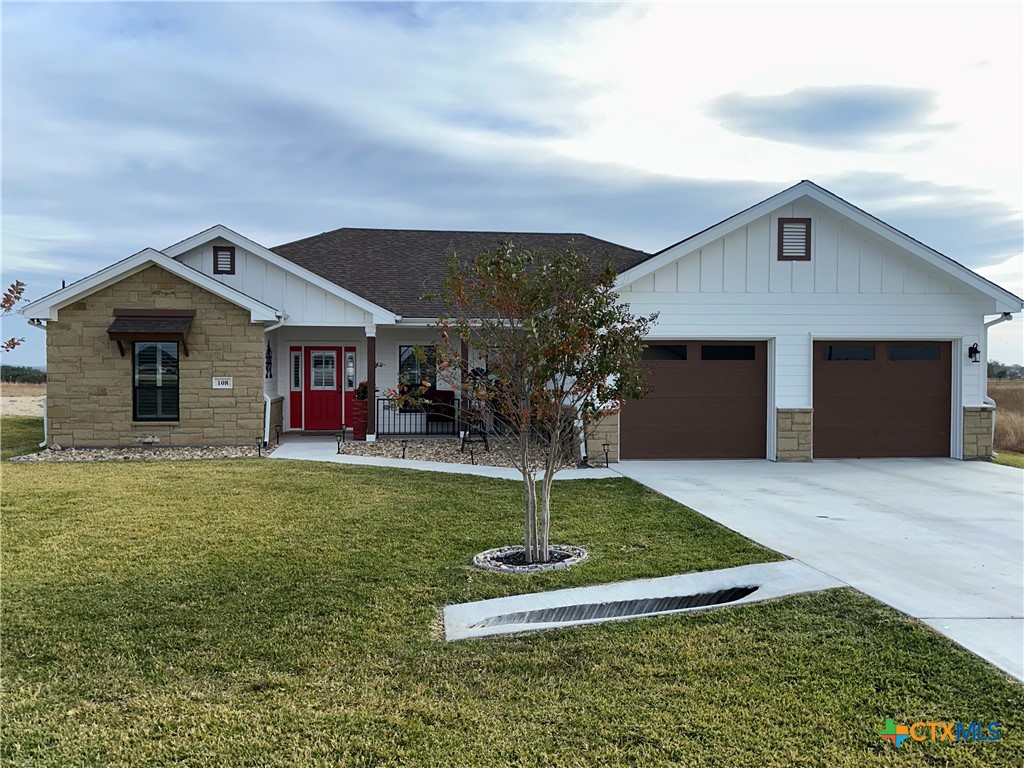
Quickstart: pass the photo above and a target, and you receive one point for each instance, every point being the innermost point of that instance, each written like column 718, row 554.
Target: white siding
column 303, row 302
column 856, row 285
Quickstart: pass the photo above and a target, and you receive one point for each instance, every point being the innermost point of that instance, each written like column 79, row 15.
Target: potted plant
column 357, row 418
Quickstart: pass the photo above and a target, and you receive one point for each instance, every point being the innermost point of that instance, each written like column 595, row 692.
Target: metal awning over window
column 151, row 325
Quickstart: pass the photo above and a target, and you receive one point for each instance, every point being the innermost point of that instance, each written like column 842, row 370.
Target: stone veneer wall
column 89, row 384
column 978, row 433
column 605, row 431
column 794, row 434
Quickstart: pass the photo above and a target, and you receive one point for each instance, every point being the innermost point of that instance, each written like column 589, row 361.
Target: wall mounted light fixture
column 974, row 353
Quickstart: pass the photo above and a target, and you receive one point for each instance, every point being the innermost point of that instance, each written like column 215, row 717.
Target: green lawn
column 263, row 613
column 1008, row 459
column 20, row 435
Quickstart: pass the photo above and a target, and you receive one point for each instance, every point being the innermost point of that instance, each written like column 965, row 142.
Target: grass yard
column 250, row 612
column 1009, row 459
column 20, row 435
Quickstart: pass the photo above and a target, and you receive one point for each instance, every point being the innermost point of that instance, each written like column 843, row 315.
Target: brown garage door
column 881, row 398
column 708, row 400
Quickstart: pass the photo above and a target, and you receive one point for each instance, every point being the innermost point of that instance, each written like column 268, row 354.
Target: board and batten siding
column 855, row 286
column 303, row 302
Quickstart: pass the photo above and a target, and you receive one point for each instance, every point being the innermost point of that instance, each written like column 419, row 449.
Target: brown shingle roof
column 394, row 268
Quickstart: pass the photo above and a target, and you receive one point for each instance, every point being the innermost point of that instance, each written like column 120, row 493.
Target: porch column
column 464, row 378
column 371, row 382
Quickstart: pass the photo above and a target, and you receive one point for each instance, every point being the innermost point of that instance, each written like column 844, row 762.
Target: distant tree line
column 997, row 370
column 22, row 374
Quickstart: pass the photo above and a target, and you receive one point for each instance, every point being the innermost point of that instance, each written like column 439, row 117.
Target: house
column 799, row 328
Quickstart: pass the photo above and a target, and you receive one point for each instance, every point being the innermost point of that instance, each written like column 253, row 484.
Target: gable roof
column 394, row 268
column 381, row 315
column 47, row 307
column 1006, row 301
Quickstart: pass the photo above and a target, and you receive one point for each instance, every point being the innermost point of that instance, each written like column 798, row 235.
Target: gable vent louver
column 223, row 260
column 794, row 239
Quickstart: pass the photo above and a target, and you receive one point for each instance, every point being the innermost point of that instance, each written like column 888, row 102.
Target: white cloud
column 30, row 241
column 657, row 69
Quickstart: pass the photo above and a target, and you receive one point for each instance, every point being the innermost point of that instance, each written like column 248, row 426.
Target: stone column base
column 794, row 434
column 605, row 431
column 978, row 433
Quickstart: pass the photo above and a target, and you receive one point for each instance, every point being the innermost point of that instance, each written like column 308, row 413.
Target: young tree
column 561, row 352
column 9, row 300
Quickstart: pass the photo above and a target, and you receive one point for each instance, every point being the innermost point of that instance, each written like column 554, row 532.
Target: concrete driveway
column 938, row 539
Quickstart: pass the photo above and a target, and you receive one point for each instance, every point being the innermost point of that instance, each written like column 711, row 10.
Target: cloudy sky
column 133, row 125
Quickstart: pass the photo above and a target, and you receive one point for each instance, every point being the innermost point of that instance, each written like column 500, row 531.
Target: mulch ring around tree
column 513, row 559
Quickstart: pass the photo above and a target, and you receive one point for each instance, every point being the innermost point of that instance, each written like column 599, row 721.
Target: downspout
column 39, row 323
column 1003, row 318
column 45, row 425
column 266, row 419
column 281, row 317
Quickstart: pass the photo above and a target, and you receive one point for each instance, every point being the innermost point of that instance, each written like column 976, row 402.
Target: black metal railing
column 434, row 417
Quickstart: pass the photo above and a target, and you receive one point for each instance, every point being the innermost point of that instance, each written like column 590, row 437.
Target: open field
column 1009, row 397
column 17, row 389
column 238, row 613
column 17, row 399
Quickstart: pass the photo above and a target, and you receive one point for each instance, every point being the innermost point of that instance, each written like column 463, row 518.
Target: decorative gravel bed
column 146, row 453
column 444, row 449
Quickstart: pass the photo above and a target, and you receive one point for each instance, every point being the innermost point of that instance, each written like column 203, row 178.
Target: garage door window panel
column 728, row 352
column 664, row 352
column 841, row 353
column 908, row 353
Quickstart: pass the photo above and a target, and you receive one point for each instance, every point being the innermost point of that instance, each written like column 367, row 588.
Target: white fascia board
column 1005, row 301
column 381, row 316
column 47, row 307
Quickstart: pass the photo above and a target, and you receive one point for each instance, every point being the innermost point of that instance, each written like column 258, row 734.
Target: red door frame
column 295, row 392
column 303, row 416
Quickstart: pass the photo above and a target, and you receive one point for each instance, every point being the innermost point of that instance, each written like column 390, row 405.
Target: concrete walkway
column 938, row 539
column 307, row 448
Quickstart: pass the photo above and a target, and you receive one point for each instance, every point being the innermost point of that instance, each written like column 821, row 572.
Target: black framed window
column 417, row 365
column 902, row 353
column 728, row 352
column 835, row 353
column 664, row 352
column 155, row 391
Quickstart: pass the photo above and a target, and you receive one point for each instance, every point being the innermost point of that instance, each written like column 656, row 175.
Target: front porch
column 317, row 372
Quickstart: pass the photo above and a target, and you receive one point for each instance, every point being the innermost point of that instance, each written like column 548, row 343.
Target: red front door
column 323, row 390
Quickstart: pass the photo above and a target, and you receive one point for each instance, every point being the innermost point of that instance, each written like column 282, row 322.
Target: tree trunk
column 554, row 446
column 530, row 522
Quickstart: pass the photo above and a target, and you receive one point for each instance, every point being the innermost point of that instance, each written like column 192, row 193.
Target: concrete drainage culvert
column 633, row 599
column 620, row 609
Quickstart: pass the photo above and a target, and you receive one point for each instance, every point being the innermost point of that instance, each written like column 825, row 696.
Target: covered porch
column 314, row 379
